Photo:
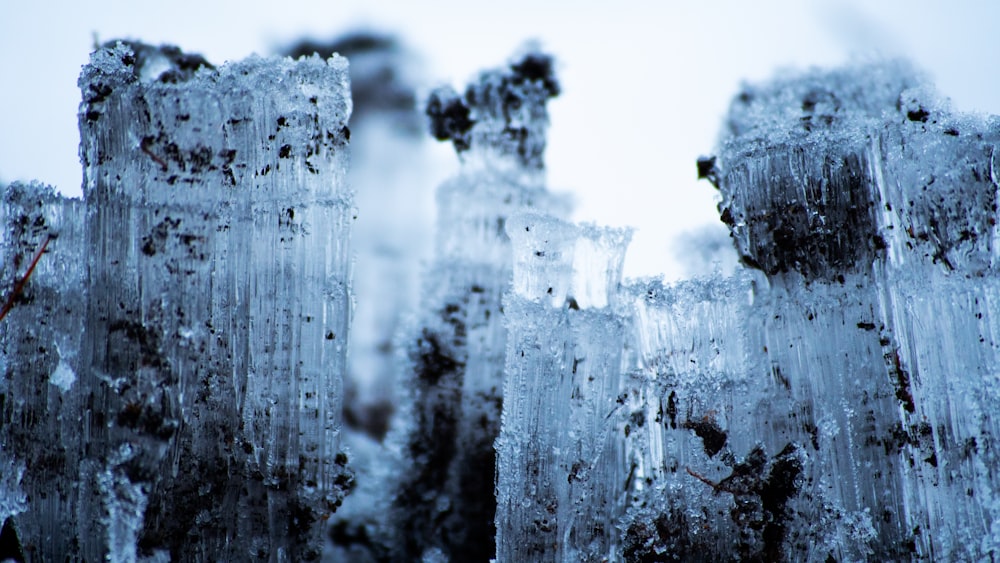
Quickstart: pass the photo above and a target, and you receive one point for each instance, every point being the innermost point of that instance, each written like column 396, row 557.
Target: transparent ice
column 173, row 359
column 190, row 314
column 444, row 499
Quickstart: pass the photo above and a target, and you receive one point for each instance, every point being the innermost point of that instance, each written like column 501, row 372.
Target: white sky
column 645, row 84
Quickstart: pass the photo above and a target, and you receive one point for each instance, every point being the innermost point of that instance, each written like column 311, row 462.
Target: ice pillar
column 868, row 203
column 42, row 399
column 560, row 477
column 194, row 324
column 445, row 501
column 393, row 179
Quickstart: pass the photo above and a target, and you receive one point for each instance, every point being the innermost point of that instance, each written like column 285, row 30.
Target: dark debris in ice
column 379, row 74
column 449, row 118
column 761, row 491
column 504, row 108
column 712, row 435
column 165, row 63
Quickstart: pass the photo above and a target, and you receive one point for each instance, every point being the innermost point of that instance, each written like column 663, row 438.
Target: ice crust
column 200, row 293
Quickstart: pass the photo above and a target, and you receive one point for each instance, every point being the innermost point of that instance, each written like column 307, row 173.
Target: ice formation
column 558, row 472
column 390, row 171
column 445, row 497
column 173, row 345
column 189, row 315
column 831, row 401
column 871, row 208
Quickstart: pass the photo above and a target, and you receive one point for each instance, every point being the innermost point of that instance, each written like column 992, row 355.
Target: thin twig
column 715, row 486
column 145, row 145
column 19, row 286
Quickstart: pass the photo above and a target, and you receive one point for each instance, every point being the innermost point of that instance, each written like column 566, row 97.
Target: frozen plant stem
column 19, row 286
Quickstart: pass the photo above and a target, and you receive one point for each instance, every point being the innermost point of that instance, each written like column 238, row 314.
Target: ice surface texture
column 835, row 420
column 832, row 401
column 204, row 312
column 559, row 471
column 825, row 173
column 390, row 174
column 172, row 367
column 444, row 501
column 868, row 204
column 42, row 396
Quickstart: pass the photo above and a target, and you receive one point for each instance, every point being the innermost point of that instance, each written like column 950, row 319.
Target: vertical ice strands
column 219, row 297
column 391, row 173
column 868, row 203
column 445, row 502
column 41, row 396
column 172, row 347
column 702, row 482
column 195, row 316
column 560, row 477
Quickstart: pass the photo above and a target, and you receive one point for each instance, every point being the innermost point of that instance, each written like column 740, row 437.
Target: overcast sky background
column 645, row 84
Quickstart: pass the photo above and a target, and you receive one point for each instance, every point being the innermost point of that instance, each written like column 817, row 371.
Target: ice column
column 800, row 194
column 41, row 397
column 217, row 304
column 391, row 173
column 445, row 500
column 869, row 204
column 937, row 300
column 560, row 478
column 693, row 390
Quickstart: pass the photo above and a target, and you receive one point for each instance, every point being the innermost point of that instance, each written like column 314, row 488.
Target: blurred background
column 645, row 84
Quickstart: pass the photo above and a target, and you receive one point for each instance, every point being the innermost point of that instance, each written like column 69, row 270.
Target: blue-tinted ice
column 172, row 366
